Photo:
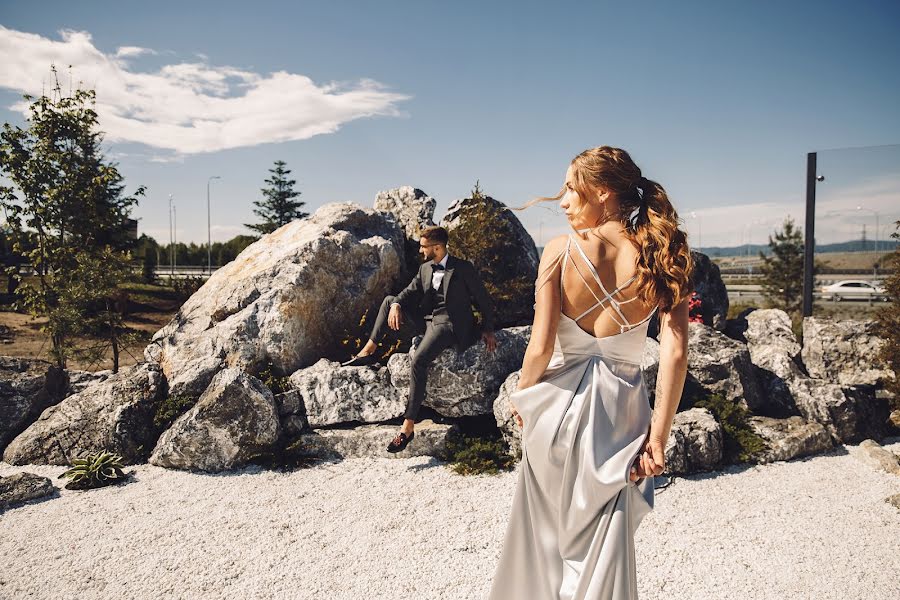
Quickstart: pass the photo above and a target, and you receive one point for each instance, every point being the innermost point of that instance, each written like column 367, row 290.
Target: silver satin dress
column 575, row 511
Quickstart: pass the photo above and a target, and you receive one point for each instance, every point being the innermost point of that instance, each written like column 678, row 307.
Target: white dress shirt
column 437, row 275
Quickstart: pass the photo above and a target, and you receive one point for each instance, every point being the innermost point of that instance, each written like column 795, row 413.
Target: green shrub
column 888, row 323
column 170, row 408
column 271, row 377
column 185, row 287
column 741, row 443
column 285, row 458
column 97, row 469
column 472, row 455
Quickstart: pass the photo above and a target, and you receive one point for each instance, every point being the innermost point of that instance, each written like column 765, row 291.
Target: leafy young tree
column 278, row 207
column 783, row 270
column 67, row 206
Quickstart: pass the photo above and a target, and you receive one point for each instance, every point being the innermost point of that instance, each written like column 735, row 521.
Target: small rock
column 789, row 438
column 372, row 440
column 22, row 487
column 695, row 442
column 893, row 500
column 874, row 455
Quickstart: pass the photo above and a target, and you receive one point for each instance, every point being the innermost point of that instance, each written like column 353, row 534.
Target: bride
column 590, row 447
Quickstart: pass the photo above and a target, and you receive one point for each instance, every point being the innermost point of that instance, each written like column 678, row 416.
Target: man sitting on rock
column 437, row 302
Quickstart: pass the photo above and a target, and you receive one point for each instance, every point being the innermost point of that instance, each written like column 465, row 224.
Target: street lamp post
column 171, row 235
column 699, row 230
column 209, row 226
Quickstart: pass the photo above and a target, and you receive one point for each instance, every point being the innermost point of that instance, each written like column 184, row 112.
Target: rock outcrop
column 489, row 222
column 695, row 442
column 114, row 415
column 27, row 387
column 285, row 301
column 328, row 394
column 711, row 290
column 843, row 352
column 718, row 364
column 466, row 383
column 22, row 487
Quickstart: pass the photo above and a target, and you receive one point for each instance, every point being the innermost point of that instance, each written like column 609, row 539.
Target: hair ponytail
column 664, row 265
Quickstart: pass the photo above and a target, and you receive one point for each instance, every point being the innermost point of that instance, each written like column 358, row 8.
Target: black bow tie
column 437, row 267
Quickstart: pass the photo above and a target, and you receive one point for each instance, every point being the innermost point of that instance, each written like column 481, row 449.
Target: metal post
column 809, row 246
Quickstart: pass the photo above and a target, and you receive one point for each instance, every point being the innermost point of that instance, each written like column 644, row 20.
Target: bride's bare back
column 597, row 287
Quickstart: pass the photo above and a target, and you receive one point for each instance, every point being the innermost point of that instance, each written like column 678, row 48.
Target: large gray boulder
column 843, row 351
column 711, row 289
column 328, row 394
column 721, row 365
column 789, row 438
column 22, row 487
column 774, row 350
column 849, row 414
column 695, row 442
column 412, row 208
column 465, row 384
column 286, row 300
column 372, row 440
column 514, row 273
column 114, row 415
column 27, row 387
column 234, row 420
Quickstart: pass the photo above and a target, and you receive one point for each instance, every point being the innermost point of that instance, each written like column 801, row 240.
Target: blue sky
column 718, row 101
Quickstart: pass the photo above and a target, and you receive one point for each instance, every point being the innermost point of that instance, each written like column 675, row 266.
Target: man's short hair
column 435, row 234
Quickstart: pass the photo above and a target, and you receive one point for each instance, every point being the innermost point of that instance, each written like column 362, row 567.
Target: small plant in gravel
column 473, row 455
column 97, row 469
column 741, row 443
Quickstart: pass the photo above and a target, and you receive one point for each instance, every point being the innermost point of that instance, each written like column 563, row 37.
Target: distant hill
column 755, row 249
column 850, row 246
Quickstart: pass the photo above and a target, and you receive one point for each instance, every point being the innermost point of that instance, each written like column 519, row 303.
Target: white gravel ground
column 371, row 529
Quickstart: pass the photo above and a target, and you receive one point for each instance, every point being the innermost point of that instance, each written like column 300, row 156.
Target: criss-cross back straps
column 608, row 298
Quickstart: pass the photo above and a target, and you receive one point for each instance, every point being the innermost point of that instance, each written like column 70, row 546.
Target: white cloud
column 190, row 107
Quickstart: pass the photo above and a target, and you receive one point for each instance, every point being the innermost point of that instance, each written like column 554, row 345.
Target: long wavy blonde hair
column 664, row 265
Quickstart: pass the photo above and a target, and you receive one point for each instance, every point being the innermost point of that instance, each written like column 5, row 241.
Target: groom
column 437, row 302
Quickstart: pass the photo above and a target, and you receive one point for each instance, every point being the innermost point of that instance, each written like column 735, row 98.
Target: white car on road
column 854, row 289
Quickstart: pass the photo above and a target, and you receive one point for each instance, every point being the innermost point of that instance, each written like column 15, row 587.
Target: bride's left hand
column 515, row 413
column 651, row 461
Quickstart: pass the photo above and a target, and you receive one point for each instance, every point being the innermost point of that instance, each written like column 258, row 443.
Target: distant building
column 131, row 226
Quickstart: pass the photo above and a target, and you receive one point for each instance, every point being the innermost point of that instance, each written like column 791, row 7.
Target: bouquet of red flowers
column 695, row 307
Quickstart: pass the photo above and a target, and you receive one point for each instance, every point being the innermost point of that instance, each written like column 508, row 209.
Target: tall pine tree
column 783, row 269
column 278, row 207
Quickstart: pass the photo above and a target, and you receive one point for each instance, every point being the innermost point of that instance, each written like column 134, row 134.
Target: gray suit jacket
column 462, row 288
